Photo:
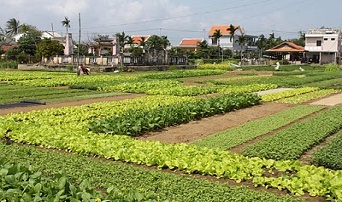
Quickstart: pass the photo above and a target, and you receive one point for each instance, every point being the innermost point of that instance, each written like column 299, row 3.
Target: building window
column 333, row 39
column 318, row 43
column 325, row 39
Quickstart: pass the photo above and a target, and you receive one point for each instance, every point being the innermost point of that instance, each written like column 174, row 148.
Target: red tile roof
column 287, row 46
column 6, row 48
column 190, row 42
column 137, row 39
column 223, row 29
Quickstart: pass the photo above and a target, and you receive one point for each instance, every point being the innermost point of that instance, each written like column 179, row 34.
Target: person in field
column 84, row 70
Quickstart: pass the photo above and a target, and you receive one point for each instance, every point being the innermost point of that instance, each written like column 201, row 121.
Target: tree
column 12, row 27
column 217, row 35
column 2, row 37
column 301, row 40
column 261, row 44
column 122, row 40
column 48, row 48
column 242, row 42
column 66, row 24
column 156, row 47
column 232, row 29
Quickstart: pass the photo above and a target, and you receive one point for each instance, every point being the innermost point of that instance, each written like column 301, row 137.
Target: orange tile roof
column 137, row 39
column 287, row 46
column 190, row 42
column 6, row 48
column 222, row 28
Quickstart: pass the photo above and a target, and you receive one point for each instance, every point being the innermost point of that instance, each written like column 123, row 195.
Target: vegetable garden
column 101, row 159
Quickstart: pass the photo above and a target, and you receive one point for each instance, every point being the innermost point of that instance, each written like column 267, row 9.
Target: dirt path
column 198, row 129
column 68, row 103
column 332, row 100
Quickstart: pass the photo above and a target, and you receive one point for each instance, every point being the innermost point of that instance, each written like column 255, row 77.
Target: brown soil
column 201, row 128
column 68, row 103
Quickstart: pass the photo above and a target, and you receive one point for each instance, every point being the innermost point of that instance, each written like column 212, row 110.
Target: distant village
column 26, row 44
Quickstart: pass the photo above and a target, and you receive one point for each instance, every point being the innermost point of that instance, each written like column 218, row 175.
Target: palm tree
column 217, row 35
column 232, row 29
column 12, row 27
column 261, row 43
column 66, row 24
column 242, row 42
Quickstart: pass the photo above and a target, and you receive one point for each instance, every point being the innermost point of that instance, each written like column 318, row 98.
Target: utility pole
column 53, row 34
column 79, row 39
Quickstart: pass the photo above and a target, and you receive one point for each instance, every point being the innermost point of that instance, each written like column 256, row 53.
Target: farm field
column 180, row 135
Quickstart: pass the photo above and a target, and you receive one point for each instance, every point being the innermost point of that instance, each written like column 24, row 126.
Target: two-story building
column 323, row 45
column 230, row 40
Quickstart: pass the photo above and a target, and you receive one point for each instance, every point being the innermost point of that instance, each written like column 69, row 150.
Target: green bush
column 8, row 64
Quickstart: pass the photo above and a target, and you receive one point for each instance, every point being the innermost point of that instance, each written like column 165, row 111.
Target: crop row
column 133, row 122
column 182, row 74
column 127, row 178
column 328, row 84
column 331, row 155
column 307, row 96
column 287, row 93
column 282, row 81
column 66, row 129
column 202, row 90
column 43, row 94
column 235, row 136
column 290, row 143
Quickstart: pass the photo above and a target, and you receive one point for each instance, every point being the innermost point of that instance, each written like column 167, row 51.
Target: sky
column 176, row 19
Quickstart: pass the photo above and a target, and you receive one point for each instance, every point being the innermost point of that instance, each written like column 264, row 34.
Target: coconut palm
column 232, row 29
column 66, row 24
column 242, row 42
column 217, row 35
column 12, row 27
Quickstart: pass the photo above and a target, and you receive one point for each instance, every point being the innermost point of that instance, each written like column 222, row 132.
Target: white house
column 226, row 42
column 323, row 45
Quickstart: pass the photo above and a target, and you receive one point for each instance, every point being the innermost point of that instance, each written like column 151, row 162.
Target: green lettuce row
column 129, row 179
column 182, row 74
column 235, row 136
column 331, row 155
column 20, row 183
column 202, row 90
column 73, row 79
column 140, row 86
column 290, row 143
column 307, row 96
column 288, row 93
column 134, row 122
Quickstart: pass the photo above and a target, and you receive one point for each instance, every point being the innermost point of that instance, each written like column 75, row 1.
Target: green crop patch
column 235, row 136
column 331, row 155
column 290, row 143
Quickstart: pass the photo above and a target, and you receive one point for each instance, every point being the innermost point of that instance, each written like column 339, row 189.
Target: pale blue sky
column 176, row 19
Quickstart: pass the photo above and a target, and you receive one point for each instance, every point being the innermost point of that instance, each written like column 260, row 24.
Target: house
column 288, row 50
column 190, row 43
column 227, row 41
column 323, row 45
